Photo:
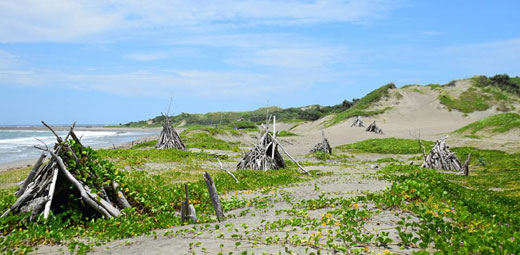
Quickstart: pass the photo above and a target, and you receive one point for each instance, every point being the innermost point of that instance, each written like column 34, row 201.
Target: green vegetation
column 469, row 101
column 285, row 133
column 214, row 131
column 248, row 119
column 387, row 146
column 499, row 123
column 452, row 218
column 206, row 141
column 360, row 106
column 501, row 81
column 492, row 170
column 147, row 144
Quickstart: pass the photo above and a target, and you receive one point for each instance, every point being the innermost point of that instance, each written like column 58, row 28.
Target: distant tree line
column 243, row 119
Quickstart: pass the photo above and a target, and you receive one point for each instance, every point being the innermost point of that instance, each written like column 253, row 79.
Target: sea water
column 18, row 145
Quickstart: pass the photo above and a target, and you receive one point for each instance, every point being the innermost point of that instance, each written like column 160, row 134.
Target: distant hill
column 499, row 93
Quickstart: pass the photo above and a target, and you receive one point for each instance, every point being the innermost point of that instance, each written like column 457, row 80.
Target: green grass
column 148, row 144
column 387, row 146
column 206, row 141
column 499, row 123
column 469, row 101
column 285, row 133
column 361, row 106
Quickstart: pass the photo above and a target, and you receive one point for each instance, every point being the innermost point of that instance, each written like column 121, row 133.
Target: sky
column 115, row 61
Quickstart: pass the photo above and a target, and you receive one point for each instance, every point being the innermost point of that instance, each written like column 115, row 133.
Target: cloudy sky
column 116, row 61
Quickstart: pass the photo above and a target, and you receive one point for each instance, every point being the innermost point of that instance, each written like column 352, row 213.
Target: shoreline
column 14, row 165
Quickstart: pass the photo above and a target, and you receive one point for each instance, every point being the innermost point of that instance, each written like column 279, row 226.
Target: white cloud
column 8, row 60
column 196, row 84
column 52, row 20
column 301, row 58
column 72, row 20
column 145, row 57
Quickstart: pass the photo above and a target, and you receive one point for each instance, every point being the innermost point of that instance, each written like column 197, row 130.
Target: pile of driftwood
column 357, row 123
column 322, row 146
column 265, row 155
column 50, row 185
column 442, row 158
column 374, row 128
column 169, row 138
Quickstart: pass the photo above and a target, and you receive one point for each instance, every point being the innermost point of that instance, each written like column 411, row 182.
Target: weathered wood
column 274, row 136
column 60, row 140
column 229, row 172
column 120, row 196
column 51, row 194
column 294, row 160
column 322, row 146
column 441, row 158
column 374, row 128
column 31, row 175
column 213, row 194
column 259, row 157
column 187, row 210
column 169, row 138
column 466, row 165
column 357, row 123
column 37, row 192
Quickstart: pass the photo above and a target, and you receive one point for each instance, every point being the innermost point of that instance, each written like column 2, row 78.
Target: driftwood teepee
column 322, row 146
column 265, row 155
column 169, row 138
column 357, row 123
column 374, row 128
column 68, row 180
column 441, row 158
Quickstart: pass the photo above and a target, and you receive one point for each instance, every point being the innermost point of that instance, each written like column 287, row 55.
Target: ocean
column 16, row 145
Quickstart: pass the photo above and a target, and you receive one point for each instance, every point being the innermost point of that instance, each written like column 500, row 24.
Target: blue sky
column 116, row 61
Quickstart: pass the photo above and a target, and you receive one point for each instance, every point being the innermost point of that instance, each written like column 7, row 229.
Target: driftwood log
column 213, row 194
column 49, row 184
column 322, row 146
column 187, row 209
column 357, row 123
column 374, row 128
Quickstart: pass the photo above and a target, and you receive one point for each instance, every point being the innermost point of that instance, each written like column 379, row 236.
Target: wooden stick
column 229, row 172
column 466, row 165
column 213, row 194
column 289, row 155
column 120, row 196
column 274, row 136
column 52, row 130
column 51, row 193
column 31, row 175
